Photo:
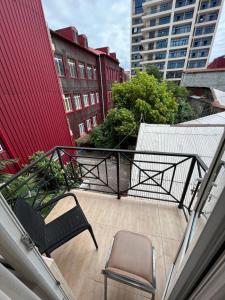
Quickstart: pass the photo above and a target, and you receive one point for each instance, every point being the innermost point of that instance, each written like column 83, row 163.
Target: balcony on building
column 150, row 193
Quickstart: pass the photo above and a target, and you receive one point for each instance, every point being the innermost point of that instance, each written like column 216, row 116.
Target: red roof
column 218, row 63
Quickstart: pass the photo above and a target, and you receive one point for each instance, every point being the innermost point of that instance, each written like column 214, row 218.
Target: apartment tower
column 174, row 35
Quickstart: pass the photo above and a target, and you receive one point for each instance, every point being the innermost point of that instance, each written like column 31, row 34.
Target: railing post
column 62, row 166
column 189, row 175
column 118, row 173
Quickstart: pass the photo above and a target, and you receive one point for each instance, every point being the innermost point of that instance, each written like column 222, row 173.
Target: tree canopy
column 146, row 98
column 119, row 123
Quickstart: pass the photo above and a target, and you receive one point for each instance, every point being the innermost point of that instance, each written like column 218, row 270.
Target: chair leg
column 93, row 237
column 105, row 287
column 153, row 296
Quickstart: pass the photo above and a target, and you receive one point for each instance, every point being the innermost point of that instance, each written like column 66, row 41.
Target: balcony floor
column 81, row 264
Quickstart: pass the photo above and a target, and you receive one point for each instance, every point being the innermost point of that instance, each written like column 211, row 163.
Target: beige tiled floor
column 81, row 264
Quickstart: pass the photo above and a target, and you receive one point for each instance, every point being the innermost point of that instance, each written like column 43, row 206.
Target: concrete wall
column 215, row 79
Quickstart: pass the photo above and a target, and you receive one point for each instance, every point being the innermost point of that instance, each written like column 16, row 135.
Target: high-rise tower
column 174, row 35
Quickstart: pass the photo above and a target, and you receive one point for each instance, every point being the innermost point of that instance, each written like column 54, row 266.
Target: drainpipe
column 103, row 102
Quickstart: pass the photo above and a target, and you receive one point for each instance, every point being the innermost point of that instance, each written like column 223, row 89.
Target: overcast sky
column 106, row 23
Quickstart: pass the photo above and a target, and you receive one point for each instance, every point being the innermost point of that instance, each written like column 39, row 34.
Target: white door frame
column 27, row 261
column 209, row 244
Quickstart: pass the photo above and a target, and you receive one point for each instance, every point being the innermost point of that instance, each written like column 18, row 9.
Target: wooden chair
column 48, row 237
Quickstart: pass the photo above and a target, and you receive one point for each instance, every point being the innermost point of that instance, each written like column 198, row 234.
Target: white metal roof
column 215, row 119
column 220, row 96
column 202, row 139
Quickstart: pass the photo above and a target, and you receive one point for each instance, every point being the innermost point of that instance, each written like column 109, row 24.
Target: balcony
column 151, row 193
column 81, row 264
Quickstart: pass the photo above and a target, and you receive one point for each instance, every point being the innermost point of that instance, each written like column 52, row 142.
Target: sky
column 107, row 23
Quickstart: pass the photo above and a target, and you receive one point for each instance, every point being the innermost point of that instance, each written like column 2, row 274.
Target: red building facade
column 32, row 114
column 86, row 76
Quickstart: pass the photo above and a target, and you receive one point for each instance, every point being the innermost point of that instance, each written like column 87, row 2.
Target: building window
column 88, row 124
column 163, row 32
column 97, row 97
column 67, row 103
column 85, row 99
column 160, row 55
column 196, row 64
column 82, row 70
column 138, row 6
column 77, row 102
column 183, row 16
column 81, row 129
column 72, row 67
column 177, row 53
column 95, row 73
column 180, row 3
column 92, row 99
column 94, row 121
column 164, row 20
column 161, row 44
column 179, row 42
column 89, row 72
column 181, row 29
column 59, row 65
column 175, row 64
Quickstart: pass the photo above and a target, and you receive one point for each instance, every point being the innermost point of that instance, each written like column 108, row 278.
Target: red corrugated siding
column 31, row 108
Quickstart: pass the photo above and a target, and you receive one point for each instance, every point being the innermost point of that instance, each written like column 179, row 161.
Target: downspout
column 103, row 102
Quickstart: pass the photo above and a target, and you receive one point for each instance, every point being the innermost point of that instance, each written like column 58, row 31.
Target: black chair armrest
column 56, row 199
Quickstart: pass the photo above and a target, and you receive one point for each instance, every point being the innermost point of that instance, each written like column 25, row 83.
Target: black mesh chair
column 48, row 237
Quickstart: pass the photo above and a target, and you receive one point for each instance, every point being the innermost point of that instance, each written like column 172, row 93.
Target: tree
column 147, row 99
column 185, row 111
column 119, row 123
column 153, row 70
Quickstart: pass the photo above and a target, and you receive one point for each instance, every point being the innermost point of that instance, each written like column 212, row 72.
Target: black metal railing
column 171, row 177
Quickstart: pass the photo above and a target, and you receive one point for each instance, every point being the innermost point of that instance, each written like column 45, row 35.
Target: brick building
column 86, row 76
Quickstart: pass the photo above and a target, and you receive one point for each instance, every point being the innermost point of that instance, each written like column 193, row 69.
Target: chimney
column 69, row 33
column 113, row 55
column 83, row 41
column 104, row 49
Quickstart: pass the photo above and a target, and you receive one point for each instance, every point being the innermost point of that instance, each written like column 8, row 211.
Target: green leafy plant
column 119, row 123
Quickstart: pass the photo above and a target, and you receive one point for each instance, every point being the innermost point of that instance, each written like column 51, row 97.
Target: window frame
column 82, row 132
column 57, row 59
column 97, row 97
column 86, row 104
column 72, row 62
column 84, row 70
column 67, row 103
column 90, row 72
column 92, row 98
column 94, row 121
column 88, row 124
column 75, row 102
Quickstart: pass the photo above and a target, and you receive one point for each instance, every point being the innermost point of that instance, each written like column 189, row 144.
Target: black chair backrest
column 32, row 222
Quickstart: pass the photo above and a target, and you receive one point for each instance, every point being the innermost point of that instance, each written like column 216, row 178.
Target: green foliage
column 3, row 164
column 185, row 111
column 119, row 123
column 153, row 70
column 49, row 173
column 146, row 98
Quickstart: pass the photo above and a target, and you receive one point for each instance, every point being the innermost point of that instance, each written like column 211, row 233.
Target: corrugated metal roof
column 220, row 96
column 184, row 139
column 215, row 119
